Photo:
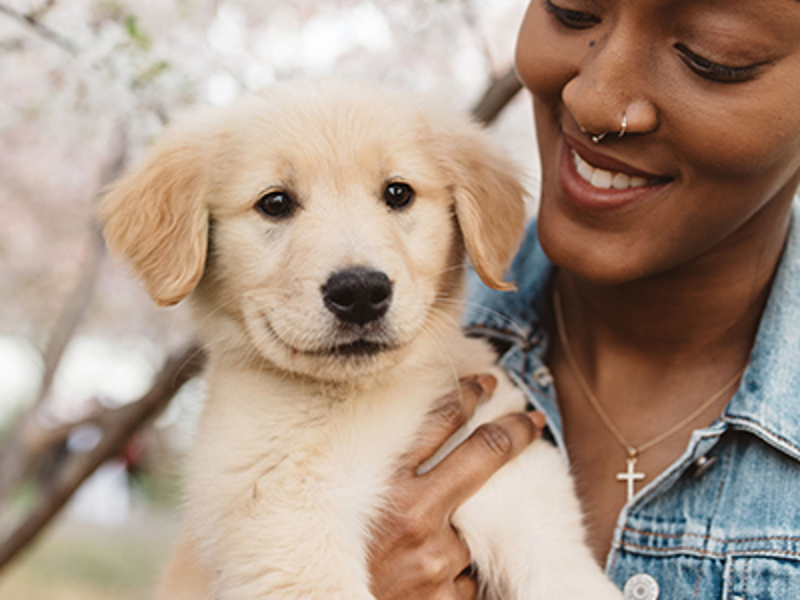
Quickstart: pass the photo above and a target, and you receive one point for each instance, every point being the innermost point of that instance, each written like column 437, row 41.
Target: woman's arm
column 415, row 552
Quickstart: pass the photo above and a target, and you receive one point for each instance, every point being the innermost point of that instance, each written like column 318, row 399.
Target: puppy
column 320, row 230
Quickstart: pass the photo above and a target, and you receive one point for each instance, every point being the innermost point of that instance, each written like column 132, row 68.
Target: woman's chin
column 601, row 258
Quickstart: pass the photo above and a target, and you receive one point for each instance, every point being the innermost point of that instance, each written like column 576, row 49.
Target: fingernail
column 488, row 384
column 537, row 418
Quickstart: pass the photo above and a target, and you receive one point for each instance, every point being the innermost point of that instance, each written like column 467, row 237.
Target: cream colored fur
column 296, row 443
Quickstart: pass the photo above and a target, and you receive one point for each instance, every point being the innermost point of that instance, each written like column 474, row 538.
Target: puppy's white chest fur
column 292, row 472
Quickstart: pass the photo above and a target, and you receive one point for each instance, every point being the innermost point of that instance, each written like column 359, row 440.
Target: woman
column 669, row 134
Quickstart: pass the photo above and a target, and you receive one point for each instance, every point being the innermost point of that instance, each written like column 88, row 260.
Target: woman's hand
column 415, row 552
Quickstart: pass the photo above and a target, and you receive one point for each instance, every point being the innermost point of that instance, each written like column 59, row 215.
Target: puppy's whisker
column 209, row 315
column 443, row 314
column 505, row 318
column 439, row 337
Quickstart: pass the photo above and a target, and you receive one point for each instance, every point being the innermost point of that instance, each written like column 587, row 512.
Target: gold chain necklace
column 633, row 452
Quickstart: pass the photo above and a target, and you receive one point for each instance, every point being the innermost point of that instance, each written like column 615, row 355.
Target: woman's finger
column 449, row 415
column 417, row 559
column 470, row 465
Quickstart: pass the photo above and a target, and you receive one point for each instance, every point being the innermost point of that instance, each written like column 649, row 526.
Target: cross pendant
column 630, row 476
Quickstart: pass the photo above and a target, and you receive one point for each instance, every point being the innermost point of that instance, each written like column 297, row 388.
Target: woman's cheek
column 733, row 133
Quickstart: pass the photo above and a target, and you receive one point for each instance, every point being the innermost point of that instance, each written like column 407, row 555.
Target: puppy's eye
column 398, row 195
column 276, row 205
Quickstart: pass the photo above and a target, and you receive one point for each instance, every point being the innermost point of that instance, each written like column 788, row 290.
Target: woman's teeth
column 600, row 178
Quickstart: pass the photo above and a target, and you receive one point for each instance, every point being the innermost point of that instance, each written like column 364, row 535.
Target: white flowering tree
column 85, row 86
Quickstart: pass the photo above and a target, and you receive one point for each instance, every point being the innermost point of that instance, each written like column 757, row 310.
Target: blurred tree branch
column 26, row 447
column 79, row 301
column 117, row 425
column 498, row 94
column 32, row 20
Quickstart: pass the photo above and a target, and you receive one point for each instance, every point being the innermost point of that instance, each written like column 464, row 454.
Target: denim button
column 702, row 464
column 542, row 377
column 641, row 587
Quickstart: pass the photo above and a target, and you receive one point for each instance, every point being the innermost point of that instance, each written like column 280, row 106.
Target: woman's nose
column 610, row 93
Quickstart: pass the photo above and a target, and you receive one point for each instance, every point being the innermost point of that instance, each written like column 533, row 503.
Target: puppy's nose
column 357, row 295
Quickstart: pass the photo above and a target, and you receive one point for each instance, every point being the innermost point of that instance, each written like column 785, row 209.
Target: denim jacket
column 723, row 521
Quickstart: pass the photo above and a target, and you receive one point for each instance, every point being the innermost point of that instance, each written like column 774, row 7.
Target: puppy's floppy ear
column 489, row 203
column 157, row 215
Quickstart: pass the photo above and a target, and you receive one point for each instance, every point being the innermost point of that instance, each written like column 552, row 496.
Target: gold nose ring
column 598, row 137
column 595, row 137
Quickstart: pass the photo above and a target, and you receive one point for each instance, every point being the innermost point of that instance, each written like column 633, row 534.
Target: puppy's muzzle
column 358, row 295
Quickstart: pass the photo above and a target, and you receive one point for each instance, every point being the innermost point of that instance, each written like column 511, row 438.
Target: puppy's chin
column 337, row 363
column 332, row 358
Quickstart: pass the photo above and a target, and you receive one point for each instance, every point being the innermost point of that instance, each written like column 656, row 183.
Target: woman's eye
column 574, row 19
column 398, row 195
column 276, row 205
column 715, row 71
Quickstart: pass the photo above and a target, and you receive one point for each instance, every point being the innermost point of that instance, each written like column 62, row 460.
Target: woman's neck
column 704, row 312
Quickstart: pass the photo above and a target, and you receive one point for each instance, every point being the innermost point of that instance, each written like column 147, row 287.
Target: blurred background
column 99, row 389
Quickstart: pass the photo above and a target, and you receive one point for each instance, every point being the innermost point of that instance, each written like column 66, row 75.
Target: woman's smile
column 600, row 178
column 596, row 182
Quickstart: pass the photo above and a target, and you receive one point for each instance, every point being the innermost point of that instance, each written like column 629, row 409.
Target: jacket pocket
column 761, row 578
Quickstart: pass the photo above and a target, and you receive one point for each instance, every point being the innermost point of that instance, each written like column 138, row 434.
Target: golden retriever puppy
column 320, row 230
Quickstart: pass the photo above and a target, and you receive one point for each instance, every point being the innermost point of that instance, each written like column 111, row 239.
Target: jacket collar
column 768, row 400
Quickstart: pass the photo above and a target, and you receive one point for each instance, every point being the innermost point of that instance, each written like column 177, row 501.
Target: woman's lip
column 585, row 196
column 601, row 161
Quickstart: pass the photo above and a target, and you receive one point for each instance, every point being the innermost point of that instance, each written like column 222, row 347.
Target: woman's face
column 710, row 156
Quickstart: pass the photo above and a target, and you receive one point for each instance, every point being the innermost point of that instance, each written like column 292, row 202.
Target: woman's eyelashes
column 707, row 69
column 715, row 71
column 574, row 19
